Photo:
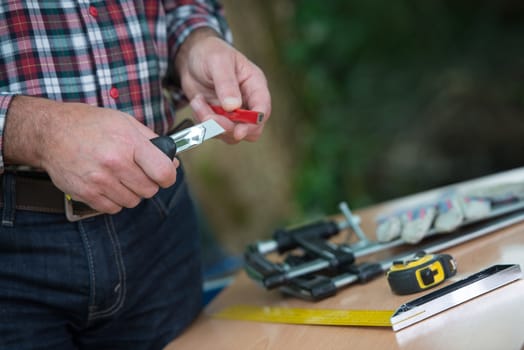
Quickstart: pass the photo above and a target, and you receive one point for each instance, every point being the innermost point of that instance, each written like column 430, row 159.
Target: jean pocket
column 170, row 199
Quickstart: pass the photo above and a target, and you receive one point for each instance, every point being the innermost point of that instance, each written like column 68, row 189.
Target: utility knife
column 188, row 138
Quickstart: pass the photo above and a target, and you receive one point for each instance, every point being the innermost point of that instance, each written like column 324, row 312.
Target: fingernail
column 196, row 103
column 231, row 103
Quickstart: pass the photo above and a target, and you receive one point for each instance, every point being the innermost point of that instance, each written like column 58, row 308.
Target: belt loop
column 9, row 197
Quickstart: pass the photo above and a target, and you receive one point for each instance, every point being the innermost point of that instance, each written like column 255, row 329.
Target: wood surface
column 492, row 321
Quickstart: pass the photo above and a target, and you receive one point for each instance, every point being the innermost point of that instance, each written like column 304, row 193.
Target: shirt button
column 93, row 11
column 113, row 92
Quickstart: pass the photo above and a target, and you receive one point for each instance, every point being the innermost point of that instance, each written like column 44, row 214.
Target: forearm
column 27, row 121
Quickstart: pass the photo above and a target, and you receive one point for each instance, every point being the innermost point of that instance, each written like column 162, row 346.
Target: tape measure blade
column 328, row 317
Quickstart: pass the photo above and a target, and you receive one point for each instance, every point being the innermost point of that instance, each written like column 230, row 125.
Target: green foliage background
column 401, row 96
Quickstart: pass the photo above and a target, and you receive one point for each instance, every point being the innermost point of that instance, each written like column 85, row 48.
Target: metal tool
column 420, row 272
column 454, row 294
column 188, row 138
column 312, row 238
column 319, row 255
column 284, row 239
column 323, row 268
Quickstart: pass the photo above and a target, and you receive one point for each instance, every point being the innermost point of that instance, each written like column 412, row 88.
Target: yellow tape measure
column 327, row 317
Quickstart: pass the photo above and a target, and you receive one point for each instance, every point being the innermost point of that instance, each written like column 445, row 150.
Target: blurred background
column 372, row 100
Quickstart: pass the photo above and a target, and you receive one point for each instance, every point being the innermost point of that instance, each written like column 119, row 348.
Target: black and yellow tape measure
column 421, row 272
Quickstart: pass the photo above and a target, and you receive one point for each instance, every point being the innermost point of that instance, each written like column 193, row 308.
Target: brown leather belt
column 35, row 192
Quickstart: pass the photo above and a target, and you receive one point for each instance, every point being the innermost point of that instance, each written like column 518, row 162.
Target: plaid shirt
column 115, row 54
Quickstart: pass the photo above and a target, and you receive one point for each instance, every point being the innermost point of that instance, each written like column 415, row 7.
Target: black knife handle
column 166, row 145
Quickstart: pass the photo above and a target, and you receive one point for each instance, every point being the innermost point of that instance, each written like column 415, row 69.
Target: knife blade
column 188, row 138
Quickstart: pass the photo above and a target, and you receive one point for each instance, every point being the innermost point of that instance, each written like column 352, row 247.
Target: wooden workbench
column 492, row 321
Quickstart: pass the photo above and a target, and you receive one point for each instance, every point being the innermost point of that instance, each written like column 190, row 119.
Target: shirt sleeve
column 5, row 100
column 183, row 17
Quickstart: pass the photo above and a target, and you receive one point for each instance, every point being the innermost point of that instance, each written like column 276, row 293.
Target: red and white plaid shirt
column 113, row 54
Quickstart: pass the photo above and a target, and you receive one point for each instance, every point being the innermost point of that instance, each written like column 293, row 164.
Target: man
column 84, row 87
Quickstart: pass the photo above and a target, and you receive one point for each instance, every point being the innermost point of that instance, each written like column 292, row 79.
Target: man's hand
column 213, row 72
column 99, row 156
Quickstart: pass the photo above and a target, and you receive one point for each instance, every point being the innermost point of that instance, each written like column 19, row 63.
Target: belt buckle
column 72, row 212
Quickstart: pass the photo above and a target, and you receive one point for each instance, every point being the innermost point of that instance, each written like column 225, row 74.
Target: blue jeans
column 125, row 281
